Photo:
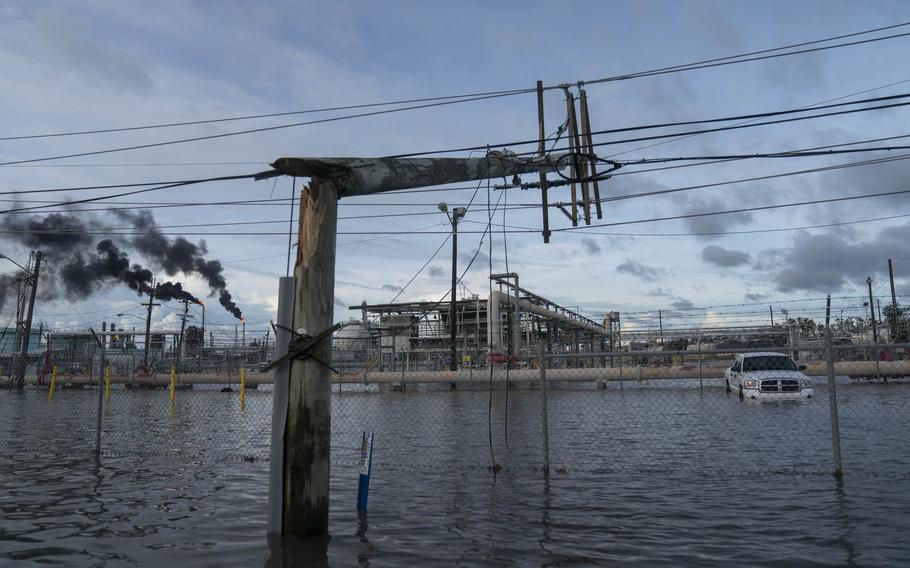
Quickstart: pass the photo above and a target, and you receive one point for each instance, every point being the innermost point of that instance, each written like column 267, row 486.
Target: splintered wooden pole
column 308, row 426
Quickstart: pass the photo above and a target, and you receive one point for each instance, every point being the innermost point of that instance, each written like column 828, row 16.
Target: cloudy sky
column 88, row 65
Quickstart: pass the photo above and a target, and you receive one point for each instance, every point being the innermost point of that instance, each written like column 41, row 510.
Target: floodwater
column 647, row 475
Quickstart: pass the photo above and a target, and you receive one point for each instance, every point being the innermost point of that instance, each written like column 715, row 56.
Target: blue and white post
column 366, row 468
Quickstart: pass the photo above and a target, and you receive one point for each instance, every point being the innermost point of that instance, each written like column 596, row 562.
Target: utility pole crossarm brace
column 365, row 176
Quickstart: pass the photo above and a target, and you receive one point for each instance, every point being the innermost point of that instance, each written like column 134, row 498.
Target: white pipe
column 494, row 322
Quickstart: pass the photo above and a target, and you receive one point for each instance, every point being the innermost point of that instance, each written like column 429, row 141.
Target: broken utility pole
column 32, row 279
column 305, row 510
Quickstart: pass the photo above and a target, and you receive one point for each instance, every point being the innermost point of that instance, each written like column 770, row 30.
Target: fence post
column 50, row 392
column 242, row 387
column 100, row 392
column 621, row 383
column 701, row 386
column 543, row 410
column 280, row 376
column 832, row 399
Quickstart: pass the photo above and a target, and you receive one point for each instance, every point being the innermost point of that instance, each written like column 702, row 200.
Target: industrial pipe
column 494, row 323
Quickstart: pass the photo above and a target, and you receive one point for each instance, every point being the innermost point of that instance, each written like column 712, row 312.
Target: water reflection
column 363, row 525
column 545, row 515
column 845, row 525
column 292, row 552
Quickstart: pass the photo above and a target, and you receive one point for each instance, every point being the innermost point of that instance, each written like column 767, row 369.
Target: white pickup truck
column 767, row 376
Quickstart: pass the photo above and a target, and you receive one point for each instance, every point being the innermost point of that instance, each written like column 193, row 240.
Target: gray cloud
column 723, row 257
column 751, row 297
column 338, row 302
column 436, row 272
column 683, row 304
column 590, row 246
column 642, row 272
column 677, row 302
column 828, row 262
column 481, row 262
column 658, row 292
column 891, row 176
column 391, row 288
column 800, row 75
column 713, row 223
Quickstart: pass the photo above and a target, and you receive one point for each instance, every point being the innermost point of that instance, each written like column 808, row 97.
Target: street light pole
column 457, row 214
column 872, row 311
column 148, row 329
column 20, row 300
column 202, row 344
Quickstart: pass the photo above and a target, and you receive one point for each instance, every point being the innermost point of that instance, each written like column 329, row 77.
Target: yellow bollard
column 173, row 382
column 50, row 392
column 242, row 387
column 107, row 384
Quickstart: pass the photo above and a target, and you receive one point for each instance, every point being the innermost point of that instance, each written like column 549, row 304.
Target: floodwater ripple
column 649, row 477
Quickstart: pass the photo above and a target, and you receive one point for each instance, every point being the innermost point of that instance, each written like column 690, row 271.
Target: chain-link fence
column 803, row 409
column 807, row 409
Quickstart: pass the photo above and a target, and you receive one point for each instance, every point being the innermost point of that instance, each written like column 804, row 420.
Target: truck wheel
column 728, row 386
column 741, row 393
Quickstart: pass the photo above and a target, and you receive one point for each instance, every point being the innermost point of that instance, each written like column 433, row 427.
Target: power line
column 806, row 107
column 451, row 99
column 675, row 134
column 277, row 201
column 753, row 231
column 612, row 142
column 738, row 126
column 697, row 65
column 742, row 210
column 168, row 186
column 111, row 230
column 260, row 116
column 531, row 205
column 283, row 201
column 712, row 162
column 752, row 116
column 794, row 154
column 251, row 130
column 138, row 165
column 108, row 186
column 756, row 178
column 746, row 57
column 564, row 229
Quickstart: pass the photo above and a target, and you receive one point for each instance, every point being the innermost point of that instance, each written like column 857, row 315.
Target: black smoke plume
column 54, row 231
column 82, row 275
column 82, row 267
column 173, row 291
column 179, row 255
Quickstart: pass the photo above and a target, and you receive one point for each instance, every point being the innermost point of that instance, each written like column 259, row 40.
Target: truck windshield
column 768, row 363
